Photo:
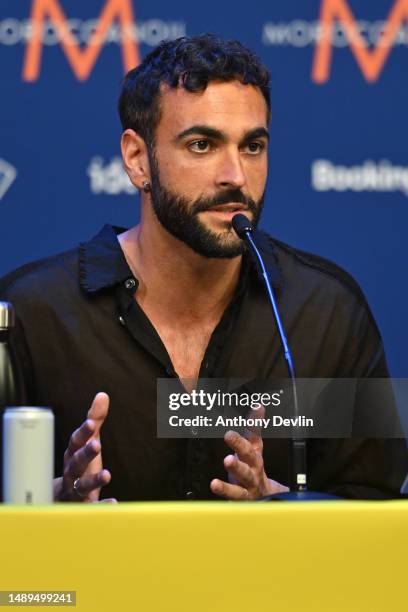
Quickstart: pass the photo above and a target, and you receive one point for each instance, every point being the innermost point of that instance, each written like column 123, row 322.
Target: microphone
column 241, row 225
column 243, row 228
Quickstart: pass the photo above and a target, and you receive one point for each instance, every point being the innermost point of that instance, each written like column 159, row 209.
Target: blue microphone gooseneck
column 243, row 228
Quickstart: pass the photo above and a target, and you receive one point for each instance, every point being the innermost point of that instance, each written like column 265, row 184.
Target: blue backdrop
column 338, row 168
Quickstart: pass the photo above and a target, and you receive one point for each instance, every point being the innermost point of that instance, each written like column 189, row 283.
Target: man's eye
column 254, row 147
column 199, row 146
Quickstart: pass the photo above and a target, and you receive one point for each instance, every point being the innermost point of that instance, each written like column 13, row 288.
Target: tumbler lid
column 6, row 315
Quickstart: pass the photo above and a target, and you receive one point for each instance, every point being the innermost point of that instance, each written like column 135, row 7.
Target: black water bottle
column 11, row 383
column 11, row 380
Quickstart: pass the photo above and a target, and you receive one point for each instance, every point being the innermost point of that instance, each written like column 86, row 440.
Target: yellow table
column 217, row 556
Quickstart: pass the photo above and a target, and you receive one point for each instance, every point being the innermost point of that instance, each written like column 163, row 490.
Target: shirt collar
column 102, row 263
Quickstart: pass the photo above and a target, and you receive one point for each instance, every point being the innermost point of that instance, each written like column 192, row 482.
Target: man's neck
column 184, row 285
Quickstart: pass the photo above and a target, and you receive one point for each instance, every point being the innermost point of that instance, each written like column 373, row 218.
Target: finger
column 91, row 426
column 58, row 487
column 99, row 410
column 254, row 433
column 243, row 448
column 273, row 486
column 80, row 437
column 229, row 491
column 81, row 459
column 92, row 482
column 240, row 472
column 256, row 413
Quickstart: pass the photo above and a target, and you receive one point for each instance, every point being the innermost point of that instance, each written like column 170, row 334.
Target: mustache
column 225, row 197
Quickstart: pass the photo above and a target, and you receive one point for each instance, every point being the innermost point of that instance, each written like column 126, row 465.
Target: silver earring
column 146, row 186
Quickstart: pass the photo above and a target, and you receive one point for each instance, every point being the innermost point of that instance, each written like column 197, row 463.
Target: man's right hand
column 83, row 459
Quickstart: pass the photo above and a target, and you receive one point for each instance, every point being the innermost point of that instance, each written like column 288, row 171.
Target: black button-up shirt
column 80, row 331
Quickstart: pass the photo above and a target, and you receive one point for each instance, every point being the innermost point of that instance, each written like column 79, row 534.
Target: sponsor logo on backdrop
column 109, row 178
column 378, row 176
column 370, row 41
column 8, row 174
column 82, row 40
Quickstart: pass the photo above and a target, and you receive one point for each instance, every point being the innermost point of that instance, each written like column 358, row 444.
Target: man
column 176, row 296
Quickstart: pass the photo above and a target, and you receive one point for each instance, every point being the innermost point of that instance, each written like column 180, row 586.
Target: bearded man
column 176, row 296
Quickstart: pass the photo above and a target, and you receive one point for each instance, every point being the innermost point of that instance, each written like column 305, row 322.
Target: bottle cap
column 6, row 315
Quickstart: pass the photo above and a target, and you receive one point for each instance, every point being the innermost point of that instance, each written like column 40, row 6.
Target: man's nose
column 230, row 171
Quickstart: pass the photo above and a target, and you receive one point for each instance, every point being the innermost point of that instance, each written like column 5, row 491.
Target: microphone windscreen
column 241, row 225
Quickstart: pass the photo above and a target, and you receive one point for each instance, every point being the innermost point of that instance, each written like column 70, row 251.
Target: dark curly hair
column 188, row 62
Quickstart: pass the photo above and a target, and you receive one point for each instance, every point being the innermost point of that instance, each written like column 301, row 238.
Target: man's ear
column 135, row 158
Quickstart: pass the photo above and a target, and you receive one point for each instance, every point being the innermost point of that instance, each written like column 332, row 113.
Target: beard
column 179, row 216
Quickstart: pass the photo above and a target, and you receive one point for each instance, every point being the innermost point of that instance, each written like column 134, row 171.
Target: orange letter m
column 371, row 62
column 81, row 60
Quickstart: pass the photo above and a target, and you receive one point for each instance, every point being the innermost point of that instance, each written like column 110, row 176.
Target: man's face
column 210, row 162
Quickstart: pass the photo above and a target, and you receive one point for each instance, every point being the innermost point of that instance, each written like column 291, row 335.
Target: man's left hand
column 247, row 478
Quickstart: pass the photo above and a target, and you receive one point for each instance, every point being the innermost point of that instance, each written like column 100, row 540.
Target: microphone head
column 241, row 225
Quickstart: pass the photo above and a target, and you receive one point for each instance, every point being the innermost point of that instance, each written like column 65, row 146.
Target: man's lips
column 228, row 208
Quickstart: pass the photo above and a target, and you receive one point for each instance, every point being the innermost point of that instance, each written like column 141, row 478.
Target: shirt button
column 130, row 283
column 121, row 320
column 190, row 495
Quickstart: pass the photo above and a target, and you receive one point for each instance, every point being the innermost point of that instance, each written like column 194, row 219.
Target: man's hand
column 247, row 478
column 83, row 459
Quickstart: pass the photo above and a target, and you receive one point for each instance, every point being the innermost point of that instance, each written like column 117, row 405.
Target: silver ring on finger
column 76, row 488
